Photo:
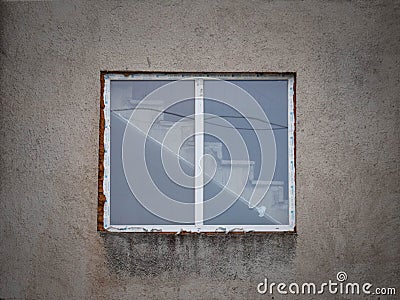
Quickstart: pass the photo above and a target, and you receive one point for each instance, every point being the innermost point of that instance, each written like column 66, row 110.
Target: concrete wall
column 346, row 55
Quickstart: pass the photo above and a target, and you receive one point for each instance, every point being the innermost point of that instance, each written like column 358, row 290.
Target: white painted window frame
column 199, row 143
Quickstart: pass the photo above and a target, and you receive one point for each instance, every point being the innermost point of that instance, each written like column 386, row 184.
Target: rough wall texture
column 346, row 55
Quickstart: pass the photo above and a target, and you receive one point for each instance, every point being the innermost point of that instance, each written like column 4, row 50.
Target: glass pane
column 152, row 150
column 254, row 114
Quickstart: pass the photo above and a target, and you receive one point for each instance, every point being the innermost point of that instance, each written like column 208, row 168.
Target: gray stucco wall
column 346, row 55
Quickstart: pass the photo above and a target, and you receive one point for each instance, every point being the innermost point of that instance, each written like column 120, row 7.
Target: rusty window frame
column 103, row 208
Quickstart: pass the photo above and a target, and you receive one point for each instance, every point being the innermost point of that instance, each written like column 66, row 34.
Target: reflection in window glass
column 125, row 96
column 273, row 208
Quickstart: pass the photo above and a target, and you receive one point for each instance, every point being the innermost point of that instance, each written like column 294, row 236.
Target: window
column 197, row 152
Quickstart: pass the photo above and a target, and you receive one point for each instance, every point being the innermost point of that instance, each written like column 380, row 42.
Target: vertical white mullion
column 199, row 150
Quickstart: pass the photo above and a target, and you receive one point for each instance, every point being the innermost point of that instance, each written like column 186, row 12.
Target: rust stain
column 101, row 196
column 294, row 148
column 206, row 232
column 202, row 73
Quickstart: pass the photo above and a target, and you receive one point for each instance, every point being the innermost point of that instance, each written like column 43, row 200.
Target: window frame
column 103, row 217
